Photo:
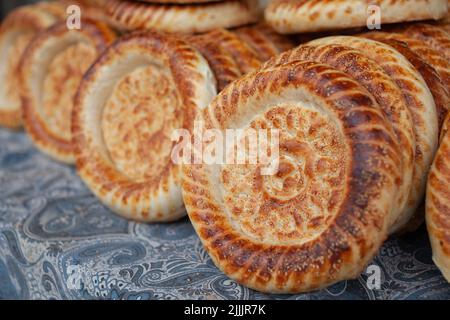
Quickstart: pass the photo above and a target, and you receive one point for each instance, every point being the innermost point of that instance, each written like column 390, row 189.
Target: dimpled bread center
column 14, row 55
column 138, row 120
column 298, row 202
column 60, row 86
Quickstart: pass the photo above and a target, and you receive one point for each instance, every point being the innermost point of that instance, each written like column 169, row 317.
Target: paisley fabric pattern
column 58, row 242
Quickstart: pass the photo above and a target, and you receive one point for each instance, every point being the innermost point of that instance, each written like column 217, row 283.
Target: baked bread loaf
column 420, row 102
column 186, row 18
column 435, row 83
column 224, row 67
column 437, row 204
column 324, row 213
column 385, row 91
column 299, row 16
column 242, row 53
column 138, row 92
column 261, row 44
column 16, row 31
column 50, row 71
column 433, row 36
column 433, row 57
column 282, row 42
column 232, row 54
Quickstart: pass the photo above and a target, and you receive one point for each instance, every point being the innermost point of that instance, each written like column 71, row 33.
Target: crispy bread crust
column 419, row 100
column 242, row 52
column 191, row 82
column 26, row 20
column 388, row 95
column 187, row 18
column 433, row 79
column 225, row 68
column 301, row 16
column 37, row 61
column 437, row 204
column 435, row 37
column 351, row 237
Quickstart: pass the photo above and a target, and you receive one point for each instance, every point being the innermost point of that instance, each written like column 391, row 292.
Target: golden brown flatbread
column 224, row 67
column 16, row 31
column 437, row 204
column 420, row 102
column 324, row 213
column 434, row 36
column 385, row 91
column 187, row 18
column 50, row 72
column 433, row 57
column 141, row 89
column 242, row 53
column 299, row 16
column 436, row 84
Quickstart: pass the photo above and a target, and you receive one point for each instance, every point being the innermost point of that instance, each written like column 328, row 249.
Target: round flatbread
column 241, row 52
column 261, row 43
column 323, row 212
column 50, row 71
column 290, row 16
column 433, row 57
column 437, row 204
column 141, row 90
column 385, row 91
column 186, row 18
column 435, row 83
column 420, row 102
column 225, row 68
column 282, row 42
column 16, row 31
column 433, row 36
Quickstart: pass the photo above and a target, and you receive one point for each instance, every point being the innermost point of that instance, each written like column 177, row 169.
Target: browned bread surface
column 299, row 16
column 129, row 103
column 438, row 204
column 419, row 100
column 436, row 84
column 388, row 95
column 325, row 213
column 186, row 18
column 16, row 31
column 50, row 71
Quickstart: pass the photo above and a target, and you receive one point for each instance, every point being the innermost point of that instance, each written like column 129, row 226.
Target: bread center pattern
column 299, row 201
column 60, row 86
column 138, row 120
column 15, row 53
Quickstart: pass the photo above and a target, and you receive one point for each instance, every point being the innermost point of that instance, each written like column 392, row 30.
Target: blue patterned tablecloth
column 58, row 242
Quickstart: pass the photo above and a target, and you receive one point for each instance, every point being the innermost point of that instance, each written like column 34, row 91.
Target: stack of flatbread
column 357, row 121
column 45, row 56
